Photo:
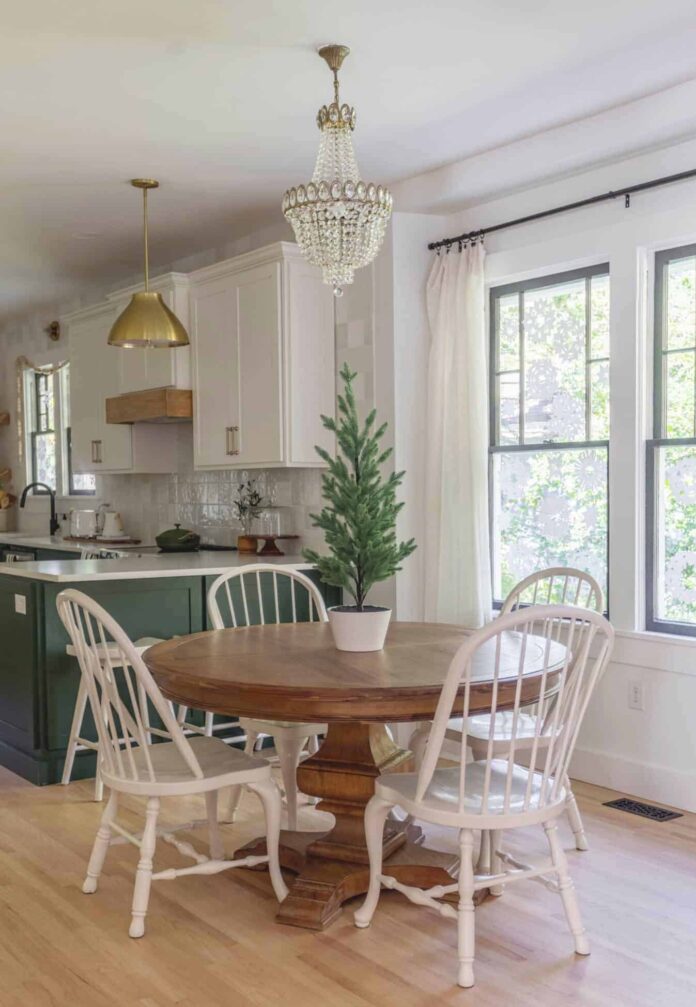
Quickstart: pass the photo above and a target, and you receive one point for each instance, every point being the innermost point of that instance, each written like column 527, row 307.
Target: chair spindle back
column 119, row 686
column 263, row 594
column 529, row 663
column 556, row 585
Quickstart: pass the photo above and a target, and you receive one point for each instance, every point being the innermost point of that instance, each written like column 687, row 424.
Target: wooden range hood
column 151, row 405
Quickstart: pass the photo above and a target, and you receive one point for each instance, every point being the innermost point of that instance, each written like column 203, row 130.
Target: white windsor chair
column 130, row 764
column 233, row 602
column 495, row 793
column 76, row 742
column 553, row 586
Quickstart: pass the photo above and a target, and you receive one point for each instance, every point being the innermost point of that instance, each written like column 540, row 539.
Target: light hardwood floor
column 212, row 941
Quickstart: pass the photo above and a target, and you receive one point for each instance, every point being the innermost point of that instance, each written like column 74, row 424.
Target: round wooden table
column 293, row 672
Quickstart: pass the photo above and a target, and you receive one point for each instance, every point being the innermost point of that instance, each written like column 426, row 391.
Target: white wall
column 651, row 753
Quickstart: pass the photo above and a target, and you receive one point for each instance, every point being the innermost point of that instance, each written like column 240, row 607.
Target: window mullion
column 520, row 315
column 588, row 355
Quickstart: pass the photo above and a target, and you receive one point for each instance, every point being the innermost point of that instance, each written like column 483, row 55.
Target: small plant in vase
column 248, row 506
column 359, row 523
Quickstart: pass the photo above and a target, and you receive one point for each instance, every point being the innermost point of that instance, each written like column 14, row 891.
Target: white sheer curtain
column 457, row 558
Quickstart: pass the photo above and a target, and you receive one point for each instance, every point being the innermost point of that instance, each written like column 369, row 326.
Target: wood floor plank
column 213, row 941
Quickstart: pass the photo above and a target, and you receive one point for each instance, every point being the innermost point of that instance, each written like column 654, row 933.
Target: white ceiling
column 217, row 98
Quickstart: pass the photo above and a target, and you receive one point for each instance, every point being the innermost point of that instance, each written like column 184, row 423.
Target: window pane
column 554, row 355
column 599, row 322
column 679, row 394
column 45, row 452
column 509, row 408
column 549, row 509
column 508, row 333
column 676, row 535
column 680, row 311
column 599, row 400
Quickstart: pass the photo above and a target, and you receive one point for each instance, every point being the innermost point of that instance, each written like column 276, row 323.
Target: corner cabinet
column 262, row 356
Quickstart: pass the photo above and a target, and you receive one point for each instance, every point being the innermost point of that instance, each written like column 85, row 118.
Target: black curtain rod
column 612, row 194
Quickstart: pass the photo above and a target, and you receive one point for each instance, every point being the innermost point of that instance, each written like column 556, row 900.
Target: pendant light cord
column 145, row 256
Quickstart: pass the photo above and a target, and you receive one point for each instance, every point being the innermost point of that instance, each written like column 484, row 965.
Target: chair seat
column 141, row 645
column 269, row 726
column 440, row 801
column 221, row 765
column 479, row 727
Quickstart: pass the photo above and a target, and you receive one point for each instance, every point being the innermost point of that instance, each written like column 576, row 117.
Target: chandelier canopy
column 339, row 221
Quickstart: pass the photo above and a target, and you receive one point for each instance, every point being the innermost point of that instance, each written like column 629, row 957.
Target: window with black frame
column 549, row 423
column 47, row 399
column 671, row 457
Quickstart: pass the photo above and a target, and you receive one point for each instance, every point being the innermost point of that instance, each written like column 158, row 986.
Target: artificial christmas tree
column 359, row 523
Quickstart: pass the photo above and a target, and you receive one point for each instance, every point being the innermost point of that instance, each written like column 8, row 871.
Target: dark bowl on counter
column 178, row 539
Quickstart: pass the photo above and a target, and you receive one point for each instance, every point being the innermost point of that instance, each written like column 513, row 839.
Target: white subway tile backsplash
column 203, row 502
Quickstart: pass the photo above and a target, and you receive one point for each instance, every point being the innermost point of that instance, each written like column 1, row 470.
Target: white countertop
column 59, row 544
column 187, row 564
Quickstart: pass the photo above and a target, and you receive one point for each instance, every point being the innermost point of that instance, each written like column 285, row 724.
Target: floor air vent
column 650, row 811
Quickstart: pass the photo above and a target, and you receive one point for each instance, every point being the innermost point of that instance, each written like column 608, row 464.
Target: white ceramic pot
column 359, row 631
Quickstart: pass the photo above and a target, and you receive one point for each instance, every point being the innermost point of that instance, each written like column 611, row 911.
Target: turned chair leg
column 78, row 715
column 289, row 750
column 574, row 818
column 216, row 845
column 101, row 846
column 566, row 889
column 375, row 815
column 236, row 792
column 466, row 933
column 143, row 877
column 272, row 807
column 495, row 861
column 483, row 865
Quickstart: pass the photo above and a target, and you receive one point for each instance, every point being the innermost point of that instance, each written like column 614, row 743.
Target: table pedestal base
column 334, row 867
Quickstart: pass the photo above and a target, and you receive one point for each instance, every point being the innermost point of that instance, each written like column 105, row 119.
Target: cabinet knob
column 232, row 438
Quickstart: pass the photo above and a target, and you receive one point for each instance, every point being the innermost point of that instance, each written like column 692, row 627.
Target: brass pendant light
column 147, row 321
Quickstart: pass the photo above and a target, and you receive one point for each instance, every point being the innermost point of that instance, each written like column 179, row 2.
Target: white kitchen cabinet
column 95, row 375
column 155, row 368
column 262, row 341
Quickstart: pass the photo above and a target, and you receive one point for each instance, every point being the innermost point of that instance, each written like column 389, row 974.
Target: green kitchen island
column 158, row 595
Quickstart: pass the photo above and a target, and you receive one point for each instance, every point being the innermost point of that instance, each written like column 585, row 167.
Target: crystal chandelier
column 339, row 221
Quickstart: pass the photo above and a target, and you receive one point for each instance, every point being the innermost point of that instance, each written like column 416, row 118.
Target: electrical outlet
column 636, row 696
column 21, row 604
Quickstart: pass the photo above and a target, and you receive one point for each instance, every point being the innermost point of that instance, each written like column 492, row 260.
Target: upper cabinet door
column 237, row 342
column 96, row 446
column 139, row 369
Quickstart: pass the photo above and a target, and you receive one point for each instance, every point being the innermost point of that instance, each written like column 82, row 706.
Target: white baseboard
column 638, row 779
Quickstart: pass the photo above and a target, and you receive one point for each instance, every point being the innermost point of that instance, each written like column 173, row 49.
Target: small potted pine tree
column 359, row 523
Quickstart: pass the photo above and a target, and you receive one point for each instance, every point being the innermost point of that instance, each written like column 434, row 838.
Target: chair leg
column 272, row 807
column 566, row 889
column 215, row 843
column 181, row 715
column 466, row 933
column 236, row 792
column 289, row 750
column 143, row 877
column 100, row 847
column 496, row 864
column 98, row 782
column 208, row 728
column 375, row 815
column 78, row 715
column 574, row 818
column 483, row 865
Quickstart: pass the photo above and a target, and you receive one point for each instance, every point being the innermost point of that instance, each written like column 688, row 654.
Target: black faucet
column 55, row 524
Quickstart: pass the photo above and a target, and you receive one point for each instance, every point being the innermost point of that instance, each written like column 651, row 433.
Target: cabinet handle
column 96, row 452
column 231, row 435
